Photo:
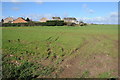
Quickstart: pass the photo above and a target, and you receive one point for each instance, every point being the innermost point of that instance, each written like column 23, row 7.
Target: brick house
column 8, row 20
column 20, row 20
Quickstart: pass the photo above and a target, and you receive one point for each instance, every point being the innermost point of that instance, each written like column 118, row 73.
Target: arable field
column 60, row 51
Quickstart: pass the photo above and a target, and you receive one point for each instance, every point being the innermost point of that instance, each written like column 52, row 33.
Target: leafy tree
column 27, row 19
column 81, row 22
column 2, row 20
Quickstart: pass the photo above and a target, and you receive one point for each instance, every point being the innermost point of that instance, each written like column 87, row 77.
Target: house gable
column 20, row 20
column 8, row 20
column 43, row 19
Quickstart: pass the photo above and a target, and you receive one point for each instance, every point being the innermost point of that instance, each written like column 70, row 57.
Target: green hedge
column 55, row 23
column 48, row 23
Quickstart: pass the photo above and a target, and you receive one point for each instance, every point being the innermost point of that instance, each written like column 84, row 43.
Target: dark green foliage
column 25, row 70
column 55, row 23
column 2, row 20
column 27, row 19
column 32, row 23
column 14, row 24
column 83, row 24
column 51, row 23
column 60, row 23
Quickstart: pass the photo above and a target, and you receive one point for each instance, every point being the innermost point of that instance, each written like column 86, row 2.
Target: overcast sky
column 90, row 12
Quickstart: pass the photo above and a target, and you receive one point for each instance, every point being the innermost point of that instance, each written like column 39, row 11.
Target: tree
column 2, row 20
column 81, row 22
column 27, row 19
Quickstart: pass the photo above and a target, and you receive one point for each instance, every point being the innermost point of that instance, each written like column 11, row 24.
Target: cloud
column 91, row 11
column 112, row 18
column 114, row 14
column 38, row 1
column 87, row 9
column 15, row 8
column 17, row 3
column 14, row 0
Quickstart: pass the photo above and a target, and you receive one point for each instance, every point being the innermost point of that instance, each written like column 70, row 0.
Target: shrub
column 14, row 24
column 69, row 24
column 51, row 23
column 55, row 23
column 60, row 23
column 32, row 23
column 83, row 24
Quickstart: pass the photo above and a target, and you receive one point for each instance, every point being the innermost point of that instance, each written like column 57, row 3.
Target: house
column 71, row 19
column 8, row 20
column 43, row 19
column 56, row 18
column 20, row 20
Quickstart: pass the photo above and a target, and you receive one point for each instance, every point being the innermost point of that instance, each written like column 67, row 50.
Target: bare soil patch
column 94, row 64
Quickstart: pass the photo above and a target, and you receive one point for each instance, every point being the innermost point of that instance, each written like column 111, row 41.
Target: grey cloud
column 112, row 18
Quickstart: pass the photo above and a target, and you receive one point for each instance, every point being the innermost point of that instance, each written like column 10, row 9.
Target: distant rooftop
column 56, row 18
column 70, row 18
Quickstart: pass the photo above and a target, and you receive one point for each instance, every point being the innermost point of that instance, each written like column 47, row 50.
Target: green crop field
column 60, row 51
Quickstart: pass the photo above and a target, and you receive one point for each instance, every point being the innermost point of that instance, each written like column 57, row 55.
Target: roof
column 70, row 18
column 56, row 18
column 43, row 18
column 20, row 20
column 8, row 18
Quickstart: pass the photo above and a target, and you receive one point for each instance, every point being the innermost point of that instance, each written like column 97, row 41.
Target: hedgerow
column 31, row 23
